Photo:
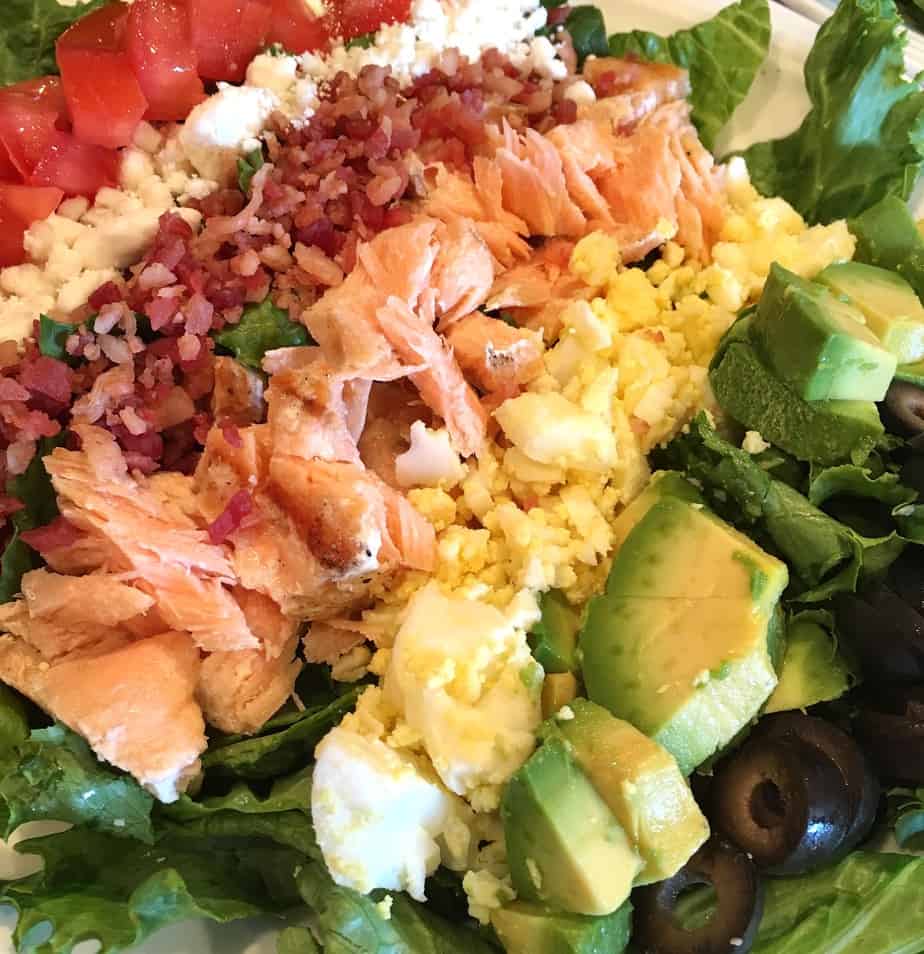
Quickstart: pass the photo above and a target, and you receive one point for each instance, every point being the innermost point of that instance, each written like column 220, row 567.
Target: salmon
column 159, row 544
column 225, row 468
column 239, row 691
column 266, row 620
column 493, row 355
column 158, row 742
column 635, row 87
column 411, row 533
column 393, row 407
column 441, row 384
column 237, row 397
column 327, row 641
column 463, row 271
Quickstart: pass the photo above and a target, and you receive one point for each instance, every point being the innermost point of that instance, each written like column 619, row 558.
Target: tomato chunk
column 75, row 167
column 104, row 98
column 20, row 206
column 352, row 18
column 227, row 34
column 30, row 115
column 159, row 45
column 296, row 28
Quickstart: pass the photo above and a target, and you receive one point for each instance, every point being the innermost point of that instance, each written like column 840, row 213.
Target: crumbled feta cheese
column 455, row 677
column 377, row 814
column 486, row 893
column 430, row 460
column 581, row 92
column 753, row 443
column 226, row 125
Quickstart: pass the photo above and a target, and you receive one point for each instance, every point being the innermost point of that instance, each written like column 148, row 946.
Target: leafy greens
column 262, row 328
column 864, row 135
column 722, row 56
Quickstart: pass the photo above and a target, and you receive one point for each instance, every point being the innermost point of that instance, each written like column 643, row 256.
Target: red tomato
column 30, row 115
column 227, row 34
column 103, row 96
column 296, row 28
column 75, row 167
column 8, row 172
column 350, row 18
column 159, row 45
column 20, row 206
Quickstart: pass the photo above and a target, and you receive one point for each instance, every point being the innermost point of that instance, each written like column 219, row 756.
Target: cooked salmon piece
column 410, row 532
column 328, row 640
column 462, row 273
column 266, row 620
column 133, row 704
column 226, row 468
column 441, row 384
column 176, row 492
column 169, row 554
column 237, row 397
column 493, row 355
column 239, row 691
column 640, row 86
column 393, row 407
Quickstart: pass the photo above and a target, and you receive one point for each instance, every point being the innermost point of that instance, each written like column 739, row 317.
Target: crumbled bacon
column 239, row 506
column 59, row 533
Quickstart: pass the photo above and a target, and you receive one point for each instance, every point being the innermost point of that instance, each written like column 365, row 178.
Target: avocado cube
column 553, row 639
column 663, row 483
column 817, row 344
column 892, row 310
column 565, row 847
column 823, row 432
column 525, row 928
column 558, row 689
column 641, row 783
column 678, row 643
column 887, row 236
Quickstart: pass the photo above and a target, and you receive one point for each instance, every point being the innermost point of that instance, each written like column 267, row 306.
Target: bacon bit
column 199, row 313
column 59, row 533
column 188, row 347
column 133, row 423
column 106, row 294
column 9, row 354
column 10, row 505
column 239, row 506
column 48, row 376
column 11, row 390
column 18, row 456
column 232, row 435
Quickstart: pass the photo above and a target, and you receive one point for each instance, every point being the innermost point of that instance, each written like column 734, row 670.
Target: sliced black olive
column 885, row 633
column 906, row 574
column 903, row 411
column 783, row 802
column 890, row 727
column 860, row 783
column 732, row 926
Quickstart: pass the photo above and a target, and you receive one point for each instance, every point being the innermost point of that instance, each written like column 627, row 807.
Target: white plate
column 774, row 107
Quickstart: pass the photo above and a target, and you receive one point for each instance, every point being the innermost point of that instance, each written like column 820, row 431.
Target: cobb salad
column 448, row 507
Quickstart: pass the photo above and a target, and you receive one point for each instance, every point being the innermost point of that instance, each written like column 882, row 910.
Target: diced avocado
column 525, row 928
column 565, row 847
column 813, row 670
column 553, row 639
column 817, row 344
column 892, row 310
column 663, row 483
column 678, row 644
column 641, row 783
column 888, row 237
column 558, row 689
column 823, row 432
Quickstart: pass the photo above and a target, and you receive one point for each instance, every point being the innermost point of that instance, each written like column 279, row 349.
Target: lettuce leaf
column 261, row 328
column 722, row 56
column 863, row 138
column 869, row 902
column 296, row 940
column 28, row 30
column 56, row 776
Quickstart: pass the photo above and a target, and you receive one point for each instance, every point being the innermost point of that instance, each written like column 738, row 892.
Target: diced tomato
column 351, row 18
column 30, row 115
column 227, row 34
column 159, row 45
column 296, row 28
column 78, row 168
column 8, row 172
column 20, row 206
column 103, row 96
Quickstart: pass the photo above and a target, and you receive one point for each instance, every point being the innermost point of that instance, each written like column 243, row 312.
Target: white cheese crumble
column 753, row 443
column 430, row 461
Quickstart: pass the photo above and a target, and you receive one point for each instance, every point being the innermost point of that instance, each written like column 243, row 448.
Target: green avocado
column 823, row 432
column 553, row 639
column 892, row 310
column 565, row 847
column 813, row 670
column 816, row 343
column 525, row 928
column 678, row 643
column 558, row 689
column 641, row 783
column 887, row 236
column 663, row 483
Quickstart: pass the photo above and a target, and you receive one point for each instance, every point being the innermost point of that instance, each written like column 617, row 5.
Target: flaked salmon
column 237, row 397
column 493, row 355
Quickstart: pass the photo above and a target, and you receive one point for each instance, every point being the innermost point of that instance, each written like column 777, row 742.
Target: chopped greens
column 864, row 136
column 722, row 56
column 53, row 336
column 363, row 41
column 262, row 328
column 588, row 32
column 247, row 167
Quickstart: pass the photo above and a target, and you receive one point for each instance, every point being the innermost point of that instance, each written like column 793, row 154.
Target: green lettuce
column 296, row 940
column 863, row 138
column 247, row 168
column 261, row 328
column 28, row 30
column 55, row 775
column 722, row 56
column 587, row 30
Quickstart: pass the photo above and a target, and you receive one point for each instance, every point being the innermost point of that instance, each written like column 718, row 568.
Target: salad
column 447, row 506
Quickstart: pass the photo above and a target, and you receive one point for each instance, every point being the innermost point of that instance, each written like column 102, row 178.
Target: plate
column 774, row 107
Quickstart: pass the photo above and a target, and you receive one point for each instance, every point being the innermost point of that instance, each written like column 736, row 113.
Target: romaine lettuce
column 261, row 328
